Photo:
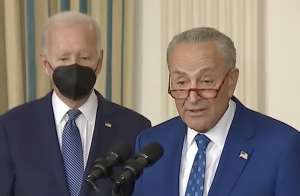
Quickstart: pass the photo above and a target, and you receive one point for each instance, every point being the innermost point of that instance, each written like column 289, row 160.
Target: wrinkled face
column 67, row 45
column 197, row 66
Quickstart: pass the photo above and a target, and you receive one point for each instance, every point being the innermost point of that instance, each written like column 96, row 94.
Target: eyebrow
column 66, row 54
column 181, row 73
column 63, row 54
column 206, row 69
column 85, row 54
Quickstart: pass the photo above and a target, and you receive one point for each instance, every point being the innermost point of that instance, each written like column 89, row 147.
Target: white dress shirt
column 85, row 121
column 217, row 136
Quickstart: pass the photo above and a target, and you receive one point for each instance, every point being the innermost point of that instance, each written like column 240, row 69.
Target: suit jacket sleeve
column 6, row 165
column 288, row 179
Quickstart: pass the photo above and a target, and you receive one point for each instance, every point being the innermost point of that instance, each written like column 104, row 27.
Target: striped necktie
column 72, row 153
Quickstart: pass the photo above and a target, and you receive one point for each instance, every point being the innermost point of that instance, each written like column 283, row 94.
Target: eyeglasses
column 183, row 94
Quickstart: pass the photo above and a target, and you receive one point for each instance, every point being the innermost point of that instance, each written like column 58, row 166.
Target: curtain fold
column 128, row 43
column 42, row 81
column 3, row 75
column 99, row 13
column 14, row 65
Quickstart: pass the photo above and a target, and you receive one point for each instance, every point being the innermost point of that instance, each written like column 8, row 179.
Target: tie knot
column 202, row 141
column 73, row 114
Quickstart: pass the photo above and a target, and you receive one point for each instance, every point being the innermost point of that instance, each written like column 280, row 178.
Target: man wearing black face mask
column 75, row 82
column 48, row 146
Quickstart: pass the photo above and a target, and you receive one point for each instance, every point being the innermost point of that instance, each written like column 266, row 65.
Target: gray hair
column 206, row 34
column 69, row 18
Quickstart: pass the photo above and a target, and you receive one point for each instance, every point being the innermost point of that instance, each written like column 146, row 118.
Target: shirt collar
column 219, row 132
column 88, row 109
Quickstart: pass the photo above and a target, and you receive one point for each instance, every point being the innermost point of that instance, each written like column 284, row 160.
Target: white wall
column 282, row 55
column 268, row 55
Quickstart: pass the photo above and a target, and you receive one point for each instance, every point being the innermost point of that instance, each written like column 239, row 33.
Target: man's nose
column 73, row 59
column 194, row 97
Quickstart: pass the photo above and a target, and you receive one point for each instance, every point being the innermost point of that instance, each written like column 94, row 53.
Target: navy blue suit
column 272, row 167
column 30, row 156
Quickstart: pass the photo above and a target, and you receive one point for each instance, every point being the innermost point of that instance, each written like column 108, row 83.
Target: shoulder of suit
column 269, row 126
column 125, row 112
column 22, row 109
column 164, row 126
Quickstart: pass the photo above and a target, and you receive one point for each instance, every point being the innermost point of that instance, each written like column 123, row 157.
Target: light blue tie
column 72, row 153
column 197, row 176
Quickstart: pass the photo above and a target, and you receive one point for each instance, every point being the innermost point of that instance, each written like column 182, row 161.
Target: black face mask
column 74, row 81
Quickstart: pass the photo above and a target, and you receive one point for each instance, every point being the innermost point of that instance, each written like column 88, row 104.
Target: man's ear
column 45, row 65
column 232, row 80
column 100, row 60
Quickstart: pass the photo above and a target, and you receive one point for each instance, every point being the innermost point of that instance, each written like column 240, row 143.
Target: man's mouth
column 197, row 112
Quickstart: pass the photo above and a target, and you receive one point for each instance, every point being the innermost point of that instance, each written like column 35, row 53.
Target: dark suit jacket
column 30, row 156
column 272, row 167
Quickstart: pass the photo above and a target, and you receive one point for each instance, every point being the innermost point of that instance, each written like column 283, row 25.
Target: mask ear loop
column 50, row 66
column 97, row 66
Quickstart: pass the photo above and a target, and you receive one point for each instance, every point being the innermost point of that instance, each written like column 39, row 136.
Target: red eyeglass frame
column 196, row 90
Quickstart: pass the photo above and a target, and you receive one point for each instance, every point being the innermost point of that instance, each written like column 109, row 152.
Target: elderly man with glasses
column 217, row 146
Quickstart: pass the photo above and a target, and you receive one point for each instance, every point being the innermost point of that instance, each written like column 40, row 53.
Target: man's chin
column 197, row 125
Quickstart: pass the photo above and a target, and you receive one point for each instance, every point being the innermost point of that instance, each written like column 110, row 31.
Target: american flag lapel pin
column 108, row 124
column 243, row 155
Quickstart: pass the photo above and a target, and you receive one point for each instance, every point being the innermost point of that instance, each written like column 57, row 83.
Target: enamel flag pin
column 243, row 155
column 108, row 124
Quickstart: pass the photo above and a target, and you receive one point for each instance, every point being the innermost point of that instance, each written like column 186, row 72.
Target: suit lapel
column 231, row 165
column 173, row 152
column 102, row 139
column 45, row 131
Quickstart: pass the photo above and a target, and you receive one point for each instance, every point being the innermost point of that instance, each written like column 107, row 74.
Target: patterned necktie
column 72, row 153
column 197, row 176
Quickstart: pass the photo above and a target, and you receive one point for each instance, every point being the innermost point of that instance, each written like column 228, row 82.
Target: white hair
column 69, row 18
column 206, row 34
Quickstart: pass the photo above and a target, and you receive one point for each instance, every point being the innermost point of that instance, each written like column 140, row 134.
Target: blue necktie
column 195, row 184
column 72, row 153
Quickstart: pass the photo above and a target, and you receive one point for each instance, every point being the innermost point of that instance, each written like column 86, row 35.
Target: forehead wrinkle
column 201, row 71
column 62, row 54
column 202, row 60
